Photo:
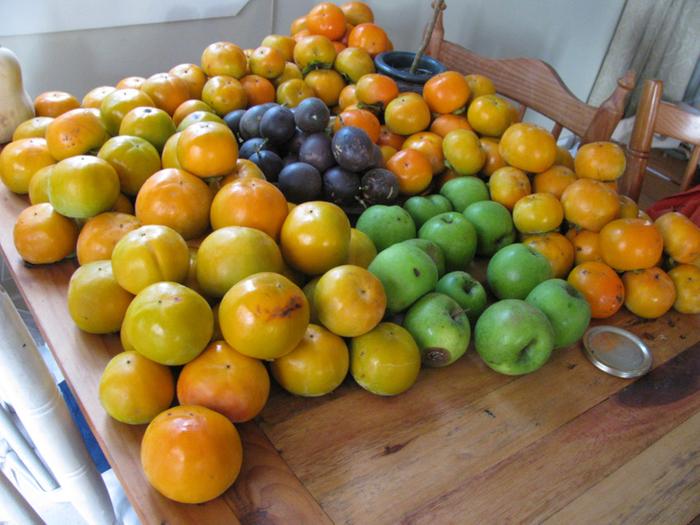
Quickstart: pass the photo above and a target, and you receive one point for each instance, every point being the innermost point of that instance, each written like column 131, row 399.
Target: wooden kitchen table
column 566, row 444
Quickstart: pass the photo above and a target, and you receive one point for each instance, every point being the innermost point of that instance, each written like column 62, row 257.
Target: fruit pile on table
column 210, row 209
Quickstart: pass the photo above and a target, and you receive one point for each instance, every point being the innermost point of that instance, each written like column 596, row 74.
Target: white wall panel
column 572, row 35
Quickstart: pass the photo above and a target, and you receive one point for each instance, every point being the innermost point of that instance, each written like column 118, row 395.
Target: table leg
column 31, row 391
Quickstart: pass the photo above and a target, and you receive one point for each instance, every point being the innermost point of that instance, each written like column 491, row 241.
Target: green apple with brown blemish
column 467, row 291
column 440, row 327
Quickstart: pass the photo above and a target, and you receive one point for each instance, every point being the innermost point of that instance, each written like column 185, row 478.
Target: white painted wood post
column 31, row 391
column 25, row 452
column 15, row 507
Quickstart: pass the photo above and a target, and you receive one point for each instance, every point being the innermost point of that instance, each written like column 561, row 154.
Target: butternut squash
column 15, row 104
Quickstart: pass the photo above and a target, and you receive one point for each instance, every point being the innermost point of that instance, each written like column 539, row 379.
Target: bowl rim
column 426, row 62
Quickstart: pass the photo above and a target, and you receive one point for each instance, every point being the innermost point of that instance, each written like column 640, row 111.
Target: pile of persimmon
column 165, row 190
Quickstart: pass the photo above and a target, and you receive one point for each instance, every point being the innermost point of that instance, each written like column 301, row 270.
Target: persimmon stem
column 438, row 6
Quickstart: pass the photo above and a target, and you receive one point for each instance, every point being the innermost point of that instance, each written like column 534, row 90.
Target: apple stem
column 457, row 312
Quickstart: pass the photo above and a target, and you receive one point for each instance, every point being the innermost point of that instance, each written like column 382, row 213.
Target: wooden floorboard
column 663, row 178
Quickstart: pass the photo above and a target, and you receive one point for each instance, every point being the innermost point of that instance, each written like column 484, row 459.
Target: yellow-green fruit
column 134, row 389
column 20, row 160
column 169, row 323
column 148, row 255
column 39, row 185
column 83, row 186
column 386, row 360
column 309, row 290
column 118, row 103
column 96, row 302
column 133, row 158
column 199, row 116
column 362, row 250
column 151, row 124
column 317, row 365
column 463, row 151
column 232, row 253
column 264, row 316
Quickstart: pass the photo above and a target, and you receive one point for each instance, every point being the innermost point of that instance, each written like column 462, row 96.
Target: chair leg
column 24, row 451
column 15, row 507
column 36, row 399
column 691, row 169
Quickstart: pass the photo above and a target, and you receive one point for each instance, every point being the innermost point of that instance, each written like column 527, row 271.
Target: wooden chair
column 656, row 116
column 535, row 84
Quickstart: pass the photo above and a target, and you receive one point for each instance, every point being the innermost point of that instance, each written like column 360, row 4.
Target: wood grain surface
column 455, row 425
column 267, row 491
column 662, row 484
column 464, row 445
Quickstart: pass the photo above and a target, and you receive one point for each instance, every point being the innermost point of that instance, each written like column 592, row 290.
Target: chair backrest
column 656, row 116
column 535, row 84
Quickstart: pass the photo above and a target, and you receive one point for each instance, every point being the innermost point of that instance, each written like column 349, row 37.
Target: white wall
column 572, row 35
column 76, row 61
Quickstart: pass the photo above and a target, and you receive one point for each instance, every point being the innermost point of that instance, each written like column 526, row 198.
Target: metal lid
column 617, row 352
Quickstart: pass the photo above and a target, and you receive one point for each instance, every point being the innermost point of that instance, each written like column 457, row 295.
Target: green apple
column 469, row 293
column 386, row 225
column 513, row 337
column 493, row 225
column 565, row 307
column 423, row 208
column 442, row 202
column 433, row 250
column 406, row 272
column 455, row 235
column 464, row 191
column 440, row 327
column 515, row 270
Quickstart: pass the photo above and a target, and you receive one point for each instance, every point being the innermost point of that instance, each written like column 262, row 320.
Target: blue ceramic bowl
column 396, row 64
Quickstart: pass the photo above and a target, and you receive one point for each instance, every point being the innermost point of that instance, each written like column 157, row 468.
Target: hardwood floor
column 663, row 178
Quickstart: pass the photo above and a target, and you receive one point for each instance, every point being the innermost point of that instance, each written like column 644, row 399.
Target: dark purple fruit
column 289, row 159
column 300, row 182
column 353, row 149
column 249, row 125
column 292, row 146
column 253, row 145
column 377, row 157
column 341, row 186
column 312, row 115
column 379, row 186
column 353, row 211
column 316, row 150
column 233, row 119
column 269, row 162
column 277, row 125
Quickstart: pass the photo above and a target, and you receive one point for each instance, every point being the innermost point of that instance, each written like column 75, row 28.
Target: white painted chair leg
column 24, row 451
column 31, row 391
column 15, row 507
